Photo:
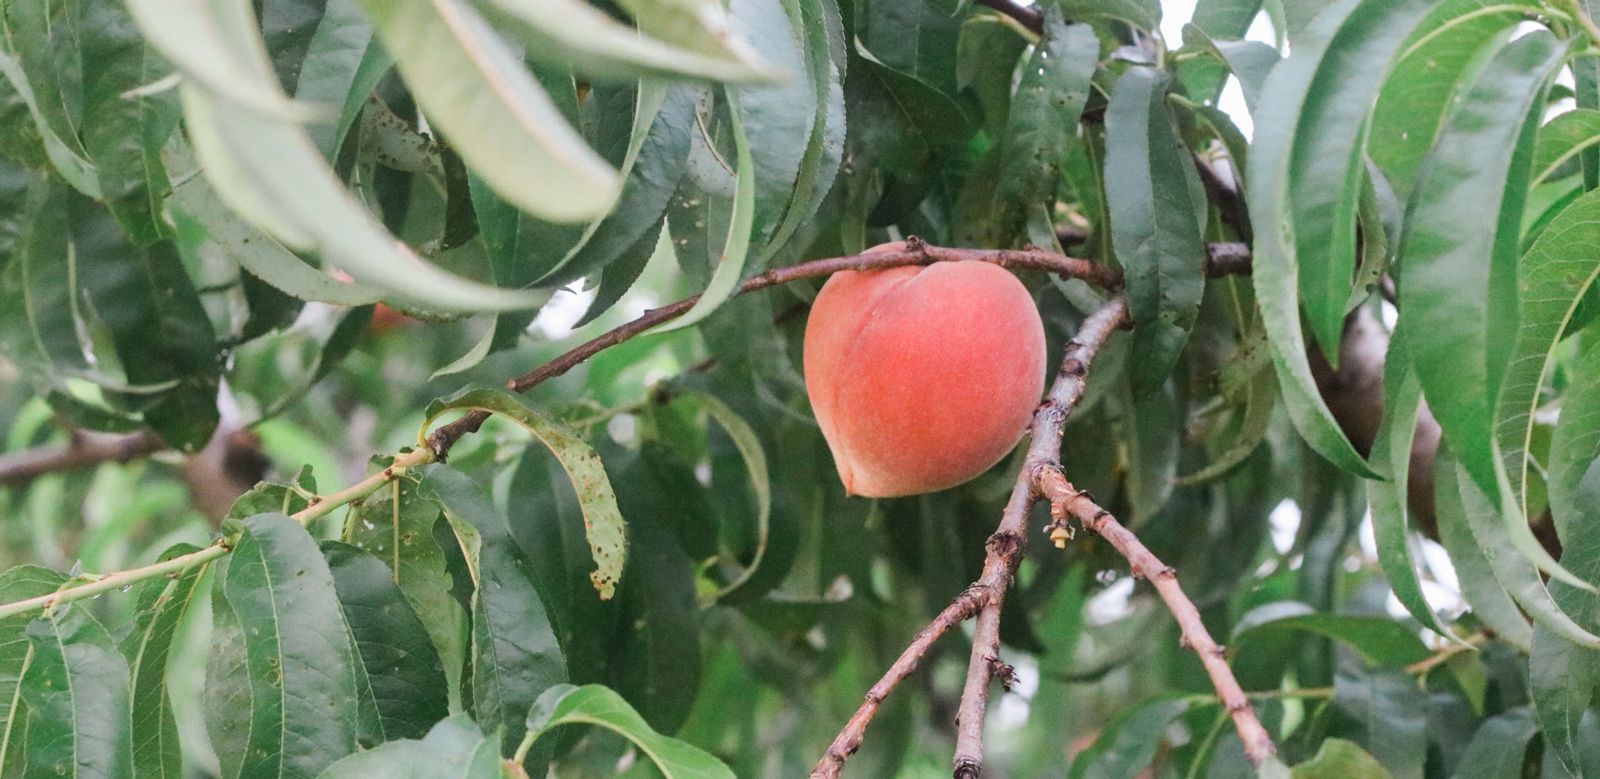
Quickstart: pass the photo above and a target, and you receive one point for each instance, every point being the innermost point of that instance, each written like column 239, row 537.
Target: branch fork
column 1041, row 478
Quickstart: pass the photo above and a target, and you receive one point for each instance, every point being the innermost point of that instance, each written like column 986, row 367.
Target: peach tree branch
column 1004, row 550
column 1066, row 500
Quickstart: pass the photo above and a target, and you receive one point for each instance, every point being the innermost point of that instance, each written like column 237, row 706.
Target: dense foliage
column 268, row 241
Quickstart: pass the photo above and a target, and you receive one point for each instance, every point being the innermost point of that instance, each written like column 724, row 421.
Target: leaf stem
column 521, row 754
column 1590, row 29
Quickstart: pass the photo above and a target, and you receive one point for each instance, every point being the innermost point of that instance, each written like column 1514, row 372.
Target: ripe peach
column 922, row 377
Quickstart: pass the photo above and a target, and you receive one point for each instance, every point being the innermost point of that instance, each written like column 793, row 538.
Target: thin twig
column 1222, row 259
column 115, row 581
column 917, row 252
column 1004, row 550
column 86, row 449
column 849, row 739
column 1068, row 500
column 1009, row 540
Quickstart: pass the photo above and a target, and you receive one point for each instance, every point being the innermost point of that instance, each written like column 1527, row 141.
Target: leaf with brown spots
column 602, row 521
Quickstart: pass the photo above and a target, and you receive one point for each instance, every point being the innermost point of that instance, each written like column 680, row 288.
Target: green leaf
column 1514, row 573
column 1459, row 267
column 49, row 298
column 735, row 250
column 1398, row 548
column 16, row 654
column 155, row 320
column 1326, row 164
column 1150, row 433
column 1497, row 749
column 337, row 69
column 203, row 221
column 1153, row 227
column 595, row 705
column 1129, row 742
column 398, row 665
column 695, row 25
column 1389, row 711
column 199, row 38
column 657, row 155
column 1050, row 96
column 1285, row 98
column 455, row 748
column 1562, row 139
column 1553, row 278
column 121, row 135
column 1255, row 419
column 266, row 168
column 822, row 32
column 918, row 42
column 299, row 666
column 755, row 462
column 42, row 41
column 1249, row 61
column 573, row 33
column 76, row 689
column 1145, row 14
column 1562, row 674
column 163, row 606
column 620, row 275
column 1379, row 640
column 777, row 120
column 1225, row 18
column 228, row 682
column 396, row 525
column 1488, row 600
column 515, row 656
column 602, row 521
column 1441, row 56
column 477, row 92
column 1340, row 759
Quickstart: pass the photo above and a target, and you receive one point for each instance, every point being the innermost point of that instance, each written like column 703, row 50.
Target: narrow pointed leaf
column 1553, row 278
column 1276, row 267
column 572, row 32
column 479, row 94
column 1051, row 94
column 602, row 521
column 201, row 38
column 298, row 661
column 1455, row 275
column 1459, row 256
column 823, row 34
column 76, row 689
column 266, row 168
column 729, row 267
column 398, row 663
column 1563, row 675
column 396, row 525
column 16, row 654
column 336, row 69
column 595, row 705
column 1564, row 138
column 1398, row 548
column 1153, row 226
column 455, row 748
column 1327, row 163
column 163, row 605
column 1515, row 574
column 515, row 655
column 123, row 136
column 1480, row 586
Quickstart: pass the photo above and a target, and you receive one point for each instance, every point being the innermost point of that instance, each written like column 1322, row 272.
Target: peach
column 922, row 377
